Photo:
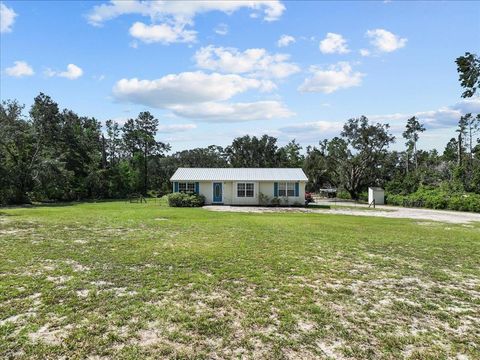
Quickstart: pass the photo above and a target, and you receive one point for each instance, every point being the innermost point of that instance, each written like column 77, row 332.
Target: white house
column 242, row 186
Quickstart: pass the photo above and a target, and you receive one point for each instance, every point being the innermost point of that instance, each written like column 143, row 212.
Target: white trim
column 255, row 186
column 286, row 189
column 186, row 186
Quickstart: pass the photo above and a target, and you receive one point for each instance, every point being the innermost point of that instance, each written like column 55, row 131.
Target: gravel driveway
column 455, row 217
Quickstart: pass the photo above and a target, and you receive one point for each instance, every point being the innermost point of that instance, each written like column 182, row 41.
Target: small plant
column 342, row 194
column 185, row 200
column 263, row 199
column 275, row 201
column 153, row 193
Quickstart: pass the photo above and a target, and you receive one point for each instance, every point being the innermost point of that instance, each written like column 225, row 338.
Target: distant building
column 377, row 194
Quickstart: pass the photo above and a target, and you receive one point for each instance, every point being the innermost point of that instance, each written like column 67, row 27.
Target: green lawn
column 119, row 280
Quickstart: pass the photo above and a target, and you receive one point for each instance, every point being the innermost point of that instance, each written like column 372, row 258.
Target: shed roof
column 235, row 174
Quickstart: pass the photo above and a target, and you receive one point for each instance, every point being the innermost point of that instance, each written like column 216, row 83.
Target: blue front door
column 217, row 192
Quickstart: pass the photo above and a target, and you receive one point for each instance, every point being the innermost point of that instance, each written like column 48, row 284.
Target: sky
column 211, row 71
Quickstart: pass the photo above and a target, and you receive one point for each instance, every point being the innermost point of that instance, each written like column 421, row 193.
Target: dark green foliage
column 437, row 198
column 354, row 160
column 185, row 200
column 468, row 67
column 250, row 151
column 57, row 155
column 411, row 134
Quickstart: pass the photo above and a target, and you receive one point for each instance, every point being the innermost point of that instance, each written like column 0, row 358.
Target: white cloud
column 316, row 127
column 186, row 88
column 364, row 52
column 162, row 33
column 234, row 112
column 181, row 11
column 385, row 41
column 335, row 77
column 7, row 18
column 470, row 105
column 285, row 40
column 175, row 16
column 175, row 128
column 256, row 62
column 73, row 72
column 334, row 44
column 443, row 117
column 221, row 29
column 20, row 69
column 201, row 96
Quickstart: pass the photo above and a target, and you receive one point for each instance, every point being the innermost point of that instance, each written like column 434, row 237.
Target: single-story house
column 242, row 186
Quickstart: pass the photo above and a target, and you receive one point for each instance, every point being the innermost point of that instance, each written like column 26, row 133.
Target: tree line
column 50, row 154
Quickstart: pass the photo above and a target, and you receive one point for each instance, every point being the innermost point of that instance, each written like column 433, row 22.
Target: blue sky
column 211, row 71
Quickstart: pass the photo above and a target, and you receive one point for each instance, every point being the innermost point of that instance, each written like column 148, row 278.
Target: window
column 286, row 189
column 290, row 189
column 249, row 190
column 245, row 189
column 241, row 190
column 186, row 187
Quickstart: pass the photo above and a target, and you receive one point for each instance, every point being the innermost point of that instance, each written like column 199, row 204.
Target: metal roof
column 242, row 174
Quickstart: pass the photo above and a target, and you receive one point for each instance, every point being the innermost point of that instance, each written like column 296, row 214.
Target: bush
column 342, row 194
column 275, row 201
column 263, row 199
column 185, row 200
column 363, row 196
column 438, row 198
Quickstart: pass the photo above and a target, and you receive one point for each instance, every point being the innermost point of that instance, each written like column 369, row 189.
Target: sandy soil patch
column 452, row 217
column 50, row 336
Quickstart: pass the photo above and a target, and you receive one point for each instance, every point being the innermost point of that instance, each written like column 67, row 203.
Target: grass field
column 119, row 280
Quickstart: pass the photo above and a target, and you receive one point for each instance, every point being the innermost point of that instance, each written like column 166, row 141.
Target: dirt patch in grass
column 222, row 285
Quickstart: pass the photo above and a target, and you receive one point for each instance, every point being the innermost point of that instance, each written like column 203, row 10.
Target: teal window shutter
column 175, row 186
column 297, row 189
column 197, row 188
column 275, row 189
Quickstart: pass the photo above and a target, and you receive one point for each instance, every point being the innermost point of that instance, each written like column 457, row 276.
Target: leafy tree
column 139, row 139
column 462, row 131
column 249, row 151
column 19, row 152
column 468, row 67
column 113, row 142
column 411, row 134
column 291, row 155
column 451, row 150
column 211, row 156
column 364, row 147
column 316, row 168
column 355, row 159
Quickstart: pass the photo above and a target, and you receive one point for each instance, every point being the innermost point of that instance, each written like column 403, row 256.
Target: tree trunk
column 353, row 194
column 104, row 154
column 459, row 150
column 145, row 177
column 415, row 154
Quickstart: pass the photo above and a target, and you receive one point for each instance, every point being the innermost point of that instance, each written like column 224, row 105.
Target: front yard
column 120, row 280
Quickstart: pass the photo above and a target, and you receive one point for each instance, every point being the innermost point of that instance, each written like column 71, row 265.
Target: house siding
column 265, row 187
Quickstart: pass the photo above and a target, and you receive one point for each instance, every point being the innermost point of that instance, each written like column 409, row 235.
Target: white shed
column 376, row 194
